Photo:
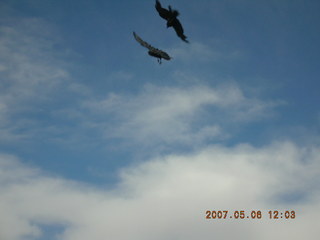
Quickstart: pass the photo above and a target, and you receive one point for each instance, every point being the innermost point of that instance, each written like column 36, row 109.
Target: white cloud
column 166, row 198
column 175, row 115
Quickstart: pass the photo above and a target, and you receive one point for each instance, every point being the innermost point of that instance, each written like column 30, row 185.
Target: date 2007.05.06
column 272, row 214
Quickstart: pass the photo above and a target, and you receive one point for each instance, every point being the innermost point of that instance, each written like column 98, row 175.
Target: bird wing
column 164, row 13
column 179, row 29
column 143, row 43
column 154, row 51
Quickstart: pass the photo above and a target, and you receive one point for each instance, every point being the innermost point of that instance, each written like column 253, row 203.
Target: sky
column 99, row 141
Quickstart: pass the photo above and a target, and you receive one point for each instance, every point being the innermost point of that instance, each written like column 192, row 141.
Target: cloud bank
column 166, row 197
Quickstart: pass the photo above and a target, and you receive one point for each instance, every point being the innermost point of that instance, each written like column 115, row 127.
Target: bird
column 154, row 52
column 172, row 21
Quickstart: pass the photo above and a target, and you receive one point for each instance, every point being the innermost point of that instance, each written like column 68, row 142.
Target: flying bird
column 154, row 52
column 172, row 21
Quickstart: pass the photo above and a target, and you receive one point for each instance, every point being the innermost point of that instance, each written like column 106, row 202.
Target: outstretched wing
column 179, row 29
column 152, row 50
column 143, row 43
column 164, row 13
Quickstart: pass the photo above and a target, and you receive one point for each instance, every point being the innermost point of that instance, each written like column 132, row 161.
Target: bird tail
column 184, row 38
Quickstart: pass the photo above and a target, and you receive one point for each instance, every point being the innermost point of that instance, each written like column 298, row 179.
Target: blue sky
column 97, row 138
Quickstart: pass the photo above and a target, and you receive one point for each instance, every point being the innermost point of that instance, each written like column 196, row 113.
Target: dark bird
column 172, row 21
column 154, row 52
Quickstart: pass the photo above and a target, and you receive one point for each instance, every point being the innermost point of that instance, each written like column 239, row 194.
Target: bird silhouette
column 172, row 21
column 154, row 52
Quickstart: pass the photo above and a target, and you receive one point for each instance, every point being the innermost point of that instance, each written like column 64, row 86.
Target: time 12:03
column 278, row 214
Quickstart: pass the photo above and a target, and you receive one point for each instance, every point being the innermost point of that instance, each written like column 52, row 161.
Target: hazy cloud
column 204, row 52
column 29, row 65
column 32, row 74
column 175, row 115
